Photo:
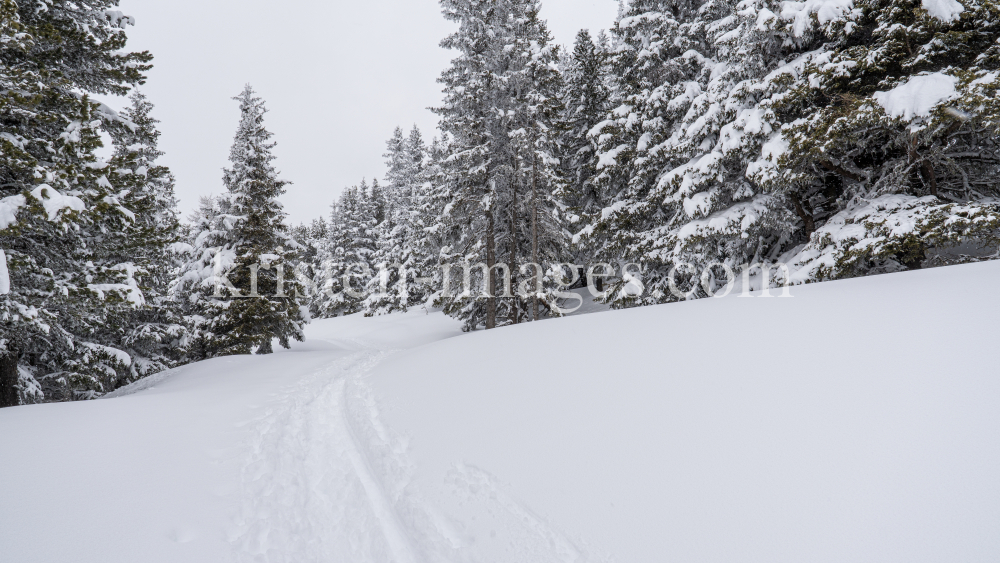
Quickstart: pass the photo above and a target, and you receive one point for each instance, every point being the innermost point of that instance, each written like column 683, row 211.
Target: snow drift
column 856, row 421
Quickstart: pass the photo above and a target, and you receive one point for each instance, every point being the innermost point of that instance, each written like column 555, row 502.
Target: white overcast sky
column 337, row 75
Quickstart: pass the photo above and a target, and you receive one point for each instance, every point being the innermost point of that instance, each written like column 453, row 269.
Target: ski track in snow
column 308, row 492
column 324, row 480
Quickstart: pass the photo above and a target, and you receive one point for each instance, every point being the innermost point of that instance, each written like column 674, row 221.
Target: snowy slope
column 857, row 421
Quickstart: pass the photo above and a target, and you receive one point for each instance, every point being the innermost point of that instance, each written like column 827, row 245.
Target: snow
column 120, row 356
column 612, row 209
column 800, row 14
column 692, row 174
column 53, row 201
column 181, row 248
column 986, row 80
column 944, row 10
column 112, row 200
column 766, row 169
column 8, row 210
column 267, row 259
column 610, row 158
column 733, row 135
column 918, row 96
column 700, row 203
column 855, row 421
column 130, row 291
column 732, row 221
column 4, row 274
column 876, row 227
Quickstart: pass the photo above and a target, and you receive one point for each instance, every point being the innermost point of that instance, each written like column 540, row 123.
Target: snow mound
column 918, row 96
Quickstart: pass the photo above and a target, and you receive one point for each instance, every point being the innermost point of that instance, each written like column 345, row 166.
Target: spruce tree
column 748, row 132
column 432, row 224
column 420, row 255
column 252, row 251
column 536, row 217
column 474, row 115
column 398, row 265
column 893, row 129
column 205, row 255
column 59, row 211
column 660, row 65
column 346, row 268
column 492, row 92
column 325, row 270
column 586, row 98
column 715, row 212
column 154, row 334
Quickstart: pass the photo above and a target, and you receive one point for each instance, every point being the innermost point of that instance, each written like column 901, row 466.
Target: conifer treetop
column 252, row 179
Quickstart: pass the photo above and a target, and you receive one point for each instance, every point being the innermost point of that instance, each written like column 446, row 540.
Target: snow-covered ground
column 857, row 421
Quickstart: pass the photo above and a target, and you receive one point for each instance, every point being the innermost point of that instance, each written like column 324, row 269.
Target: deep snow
column 856, row 421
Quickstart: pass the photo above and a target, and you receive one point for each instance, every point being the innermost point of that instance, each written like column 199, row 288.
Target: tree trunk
column 8, row 380
column 807, row 219
column 931, row 177
column 491, row 262
column 534, row 232
column 926, row 170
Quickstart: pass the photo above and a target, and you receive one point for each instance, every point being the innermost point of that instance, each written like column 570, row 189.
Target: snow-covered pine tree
column 585, row 98
column 488, row 96
column 717, row 213
column 377, row 201
column 417, row 151
column 790, row 133
column 346, row 268
column 660, row 64
column 893, row 128
column 317, row 271
column 362, row 225
column 253, row 248
column 301, row 234
column 325, row 268
column 432, row 225
column 154, row 334
column 204, row 256
column 319, row 229
column 313, row 239
column 398, row 266
column 535, row 216
column 475, row 116
column 57, row 205
column 422, row 259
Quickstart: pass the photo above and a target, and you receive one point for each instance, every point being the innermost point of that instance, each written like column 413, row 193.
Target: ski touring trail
column 306, row 477
column 324, row 480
